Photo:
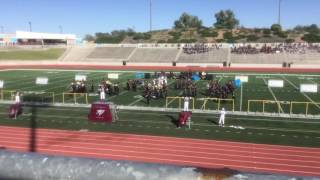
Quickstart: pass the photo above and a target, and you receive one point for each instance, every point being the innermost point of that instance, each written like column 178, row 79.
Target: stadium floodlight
column 150, row 16
column 61, row 29
column 279, row 12
column 30, row 26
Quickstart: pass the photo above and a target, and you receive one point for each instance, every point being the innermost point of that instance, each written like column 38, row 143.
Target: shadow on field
column 33, row 130
column 174, row 120
column 212, row 121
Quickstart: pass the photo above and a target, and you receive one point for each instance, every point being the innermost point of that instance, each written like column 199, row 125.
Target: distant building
column 35, row 38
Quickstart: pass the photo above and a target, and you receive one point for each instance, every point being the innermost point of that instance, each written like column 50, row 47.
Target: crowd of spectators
column 290, row 48
column 200, row 48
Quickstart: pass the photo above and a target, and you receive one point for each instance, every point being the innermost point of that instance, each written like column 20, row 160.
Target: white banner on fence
column 242, row 78
column 113, row 76
column 80, row 77
column 275, row 83
column 311, row 88
column 1, row 83
column 42, row 80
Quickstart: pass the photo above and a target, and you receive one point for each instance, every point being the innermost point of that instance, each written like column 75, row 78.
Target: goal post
column 42, row 97
column 304, row 107
column 177, row 102
column 75, row 98
column 278, row 105
column 7, row 95
column 219, row 102
column 288, row 107
column 29, row 96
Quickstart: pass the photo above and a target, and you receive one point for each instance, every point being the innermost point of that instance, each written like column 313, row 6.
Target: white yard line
column 274, row 96
column 134, row 102
column 297, row 88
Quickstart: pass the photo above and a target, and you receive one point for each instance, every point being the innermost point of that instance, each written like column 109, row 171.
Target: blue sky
column 82, row 16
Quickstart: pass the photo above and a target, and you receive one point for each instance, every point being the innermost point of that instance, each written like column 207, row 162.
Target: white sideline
column 159, row 109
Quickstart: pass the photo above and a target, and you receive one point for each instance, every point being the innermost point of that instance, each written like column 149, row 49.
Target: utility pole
column 61, row 29
column 30, row 26
column 150, row 16
column 279, row 13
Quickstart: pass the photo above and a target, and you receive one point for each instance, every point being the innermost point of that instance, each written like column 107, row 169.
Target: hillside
column 205, row 35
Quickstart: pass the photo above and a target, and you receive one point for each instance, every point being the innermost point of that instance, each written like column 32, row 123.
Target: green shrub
column 144, row 36
column 289, row 40
column 266, row 31
column 227, row 35
column 252, row 38
column 220, row 40
column 282, row 34
column 161, row 41
column 172, row 40
column 311, row 38
column 188, row 41
column 208, row 33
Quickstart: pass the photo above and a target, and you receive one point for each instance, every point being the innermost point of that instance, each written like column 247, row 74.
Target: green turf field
column 303, row 131
column 49, row 54
column 255, row 89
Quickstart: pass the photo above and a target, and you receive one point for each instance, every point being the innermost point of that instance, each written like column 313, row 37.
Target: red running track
column 161, row 68
column 167, row 150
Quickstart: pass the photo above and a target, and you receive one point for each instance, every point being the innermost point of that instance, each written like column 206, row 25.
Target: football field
column 299, row 131
column 255, row 92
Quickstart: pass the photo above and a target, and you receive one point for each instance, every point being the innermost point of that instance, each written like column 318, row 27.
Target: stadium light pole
column 279, row 12
column 61, row 29
column 30, row 26
column 150, row 16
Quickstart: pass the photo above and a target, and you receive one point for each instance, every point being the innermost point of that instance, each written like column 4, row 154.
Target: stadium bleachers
column 309, row 57
column 214, row 56
column 144, row 53
column 111, row 53
column 77, row 53
column 154, row 55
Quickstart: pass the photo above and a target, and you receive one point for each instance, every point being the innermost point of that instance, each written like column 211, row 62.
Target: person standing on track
column 222, row 117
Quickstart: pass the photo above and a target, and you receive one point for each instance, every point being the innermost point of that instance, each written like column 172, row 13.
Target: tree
column 89, row 38
column 311, row 38
column 312, row 29
column 276, row 28
column 187, row 21
column 226, row 19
